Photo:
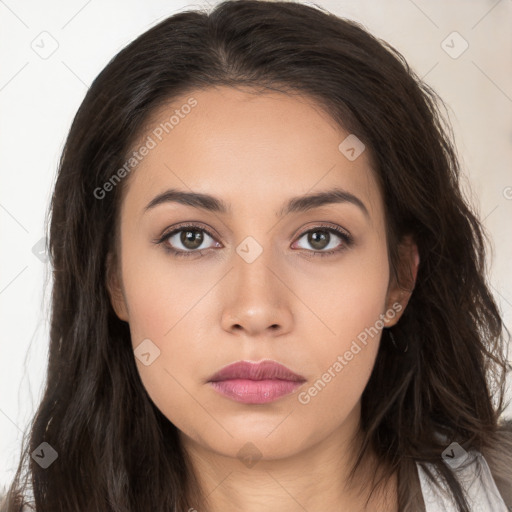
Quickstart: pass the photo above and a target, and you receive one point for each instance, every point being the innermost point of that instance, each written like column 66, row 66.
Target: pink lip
column 255, row 383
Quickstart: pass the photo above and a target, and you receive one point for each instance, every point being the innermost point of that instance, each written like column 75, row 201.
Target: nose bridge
column 254, row 271
column 257, row 295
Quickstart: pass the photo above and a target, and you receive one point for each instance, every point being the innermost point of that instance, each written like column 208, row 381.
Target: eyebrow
column 294, row 205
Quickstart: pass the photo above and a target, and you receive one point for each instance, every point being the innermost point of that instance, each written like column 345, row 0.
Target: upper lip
column 256, row 371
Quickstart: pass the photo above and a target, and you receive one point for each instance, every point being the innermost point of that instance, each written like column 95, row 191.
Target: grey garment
column 474, row 475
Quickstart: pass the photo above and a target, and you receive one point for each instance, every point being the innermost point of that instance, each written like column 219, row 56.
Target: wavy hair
column 116, row 451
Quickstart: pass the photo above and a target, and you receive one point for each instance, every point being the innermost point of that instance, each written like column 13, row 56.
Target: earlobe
column 114, row 289
column 400, row 292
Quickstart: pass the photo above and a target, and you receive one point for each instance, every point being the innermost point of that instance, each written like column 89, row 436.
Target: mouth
column 255, row 383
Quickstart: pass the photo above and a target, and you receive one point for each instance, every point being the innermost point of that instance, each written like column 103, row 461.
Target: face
column 303, row 283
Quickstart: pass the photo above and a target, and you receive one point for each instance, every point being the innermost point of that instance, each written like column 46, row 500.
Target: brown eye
column 186, row 240
column 191, row 239
column 321, row 238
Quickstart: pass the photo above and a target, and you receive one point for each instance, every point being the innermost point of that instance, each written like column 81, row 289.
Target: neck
column 315, row 478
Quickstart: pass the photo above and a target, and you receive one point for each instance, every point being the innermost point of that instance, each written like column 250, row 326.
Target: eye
column 191, row 237
column 320, row 238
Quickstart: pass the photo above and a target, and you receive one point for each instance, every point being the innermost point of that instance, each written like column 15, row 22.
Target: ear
column 400, row 292
column 114, row 288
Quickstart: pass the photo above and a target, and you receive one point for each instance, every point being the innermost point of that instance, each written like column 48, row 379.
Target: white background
column 39, row 97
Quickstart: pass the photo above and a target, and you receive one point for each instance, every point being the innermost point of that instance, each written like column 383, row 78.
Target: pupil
column 318, row 242
column 191, row 239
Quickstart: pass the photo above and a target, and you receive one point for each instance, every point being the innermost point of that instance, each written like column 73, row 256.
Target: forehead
column 250, row 148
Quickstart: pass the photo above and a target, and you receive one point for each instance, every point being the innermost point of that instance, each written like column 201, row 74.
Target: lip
column 255, row 383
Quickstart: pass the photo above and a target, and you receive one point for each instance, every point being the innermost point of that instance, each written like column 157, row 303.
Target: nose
column 256, row 299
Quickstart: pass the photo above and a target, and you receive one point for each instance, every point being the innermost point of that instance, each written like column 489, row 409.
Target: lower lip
column 255, row 391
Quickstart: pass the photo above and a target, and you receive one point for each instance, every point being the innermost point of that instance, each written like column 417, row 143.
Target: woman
column 269, row 292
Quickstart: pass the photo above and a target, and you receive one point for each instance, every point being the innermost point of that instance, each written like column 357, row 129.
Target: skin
column 256, row 151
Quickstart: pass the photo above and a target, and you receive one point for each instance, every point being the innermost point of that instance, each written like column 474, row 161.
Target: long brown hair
column 116, row 451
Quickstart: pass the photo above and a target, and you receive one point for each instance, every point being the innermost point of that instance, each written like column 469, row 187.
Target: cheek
column 349, row 309
column 162, row 311
column 160, row 292
column 348, row 298
column 166, row 310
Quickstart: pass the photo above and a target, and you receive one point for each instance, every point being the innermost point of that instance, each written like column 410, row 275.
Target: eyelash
column 347, row 239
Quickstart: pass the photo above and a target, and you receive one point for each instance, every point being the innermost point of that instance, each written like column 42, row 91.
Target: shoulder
column 498, row 456
column 485, row 477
